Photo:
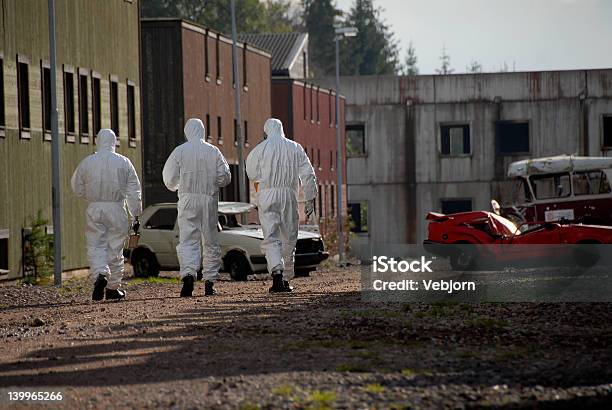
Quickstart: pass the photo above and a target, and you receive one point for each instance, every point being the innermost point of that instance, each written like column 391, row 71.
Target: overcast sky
column 526, row 34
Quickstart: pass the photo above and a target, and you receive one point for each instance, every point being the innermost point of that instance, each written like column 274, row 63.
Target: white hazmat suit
column 197, row 169
column 107, row 181
column 279, row 165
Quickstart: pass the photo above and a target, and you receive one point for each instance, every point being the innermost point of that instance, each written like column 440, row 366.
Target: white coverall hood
column 194, row 129
column 197, row 169
column 106, row 140
column 279, row 165
column 107, row 181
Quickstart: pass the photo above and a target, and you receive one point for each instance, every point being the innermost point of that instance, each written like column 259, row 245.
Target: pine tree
column 444, row 63
column 318, row 18
column 410, row 62
column 373, row 50
column 474, row 67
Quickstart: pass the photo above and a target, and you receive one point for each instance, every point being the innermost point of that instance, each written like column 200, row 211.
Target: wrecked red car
column 470, row 239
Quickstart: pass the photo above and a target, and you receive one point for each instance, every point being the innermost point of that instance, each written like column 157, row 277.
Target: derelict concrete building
column 444, row 143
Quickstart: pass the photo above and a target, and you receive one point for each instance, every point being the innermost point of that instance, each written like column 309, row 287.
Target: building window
column 319, row 210
column 318, row 107
column 206, row 67
column 455, row 139
column 607, row 132
column 235, row 132
column 512, row 137
column 305, row 64
column 96, row 105
column 332, row 198
column 23, row 88
column 131, row 111
column 331, row 122
column 244, row 65
column 114, row 107
column 208, row 133
column 83, row 109
column 331, row 160
column 358, row 214
column 218, row 59
column 2, row 115
column 311, row 103
column 355, row 140
column 551, row 185
column 319, row 159
column 305, row 112
column 219, row 133
column 46, row 100
column 69, row 105
column 246, row 133
column 591, row 183
column 455, row 205
column 4, row 250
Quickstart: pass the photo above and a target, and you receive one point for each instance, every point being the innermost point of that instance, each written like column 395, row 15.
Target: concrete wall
column 97, row 37
column 404, row 176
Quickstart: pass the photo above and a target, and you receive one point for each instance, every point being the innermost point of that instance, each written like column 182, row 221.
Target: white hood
column 254, row 231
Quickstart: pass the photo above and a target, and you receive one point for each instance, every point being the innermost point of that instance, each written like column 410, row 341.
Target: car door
column 159, row 234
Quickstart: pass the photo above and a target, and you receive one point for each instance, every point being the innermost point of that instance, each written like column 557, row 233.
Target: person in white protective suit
column 107, row 181
column 197, row 170
column 279, row 165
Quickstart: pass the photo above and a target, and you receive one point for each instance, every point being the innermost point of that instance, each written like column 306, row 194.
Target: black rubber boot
column 115, row 294
column 99, row 286
column 279, row 285
column 209, row 288
column 187, row 290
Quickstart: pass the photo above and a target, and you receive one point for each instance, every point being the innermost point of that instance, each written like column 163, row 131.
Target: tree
column 444, row 63
column 373, row 50
column 410, row 62
column 252, row 16
column 318, row 19
column 474, row 67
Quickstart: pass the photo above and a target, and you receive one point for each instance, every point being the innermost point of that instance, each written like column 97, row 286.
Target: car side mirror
column 219, row 227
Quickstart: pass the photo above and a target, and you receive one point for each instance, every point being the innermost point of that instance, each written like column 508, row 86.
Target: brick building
column 187, row 72
column 308, row 112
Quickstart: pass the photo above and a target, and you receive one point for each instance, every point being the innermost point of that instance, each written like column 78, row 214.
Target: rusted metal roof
column 284, row 47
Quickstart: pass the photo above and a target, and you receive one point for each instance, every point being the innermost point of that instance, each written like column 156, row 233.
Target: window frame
column 2, row 96
column 114, row 107
column 131, row 113
column 208, row 130
column 455, row 124
column 5, row 235
column 24, row 131
column 535, row 177
column 360, row 203
column 365, row 143
column 45, row 99
column 605, row 147
column 245, row 133
column 83, row 102
column 96, row 104
column 70, row 134
column 206, row 57
column 498, row 152
column 219, row 130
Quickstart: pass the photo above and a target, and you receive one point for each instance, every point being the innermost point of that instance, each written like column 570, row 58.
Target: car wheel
column 237, row 266
column 144, row 263
column 463, row 258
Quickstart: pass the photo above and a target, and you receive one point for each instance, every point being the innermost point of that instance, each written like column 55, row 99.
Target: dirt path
column 319, row 347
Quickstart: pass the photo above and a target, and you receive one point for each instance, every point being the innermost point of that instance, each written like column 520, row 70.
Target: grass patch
column 410, row 373
column 283, row 391
column 154, row 279
column 351, row 368
column 321, row 400
column 374, row 388
column 249, row 406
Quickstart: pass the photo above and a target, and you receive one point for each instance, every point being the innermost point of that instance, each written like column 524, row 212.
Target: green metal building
column 98, row 86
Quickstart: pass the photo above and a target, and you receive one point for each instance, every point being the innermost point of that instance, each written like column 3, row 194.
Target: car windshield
column 520, row 192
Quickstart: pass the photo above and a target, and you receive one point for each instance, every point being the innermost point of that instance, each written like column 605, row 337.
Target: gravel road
column 320, row 347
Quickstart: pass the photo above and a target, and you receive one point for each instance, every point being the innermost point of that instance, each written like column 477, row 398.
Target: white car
column 240, row 244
